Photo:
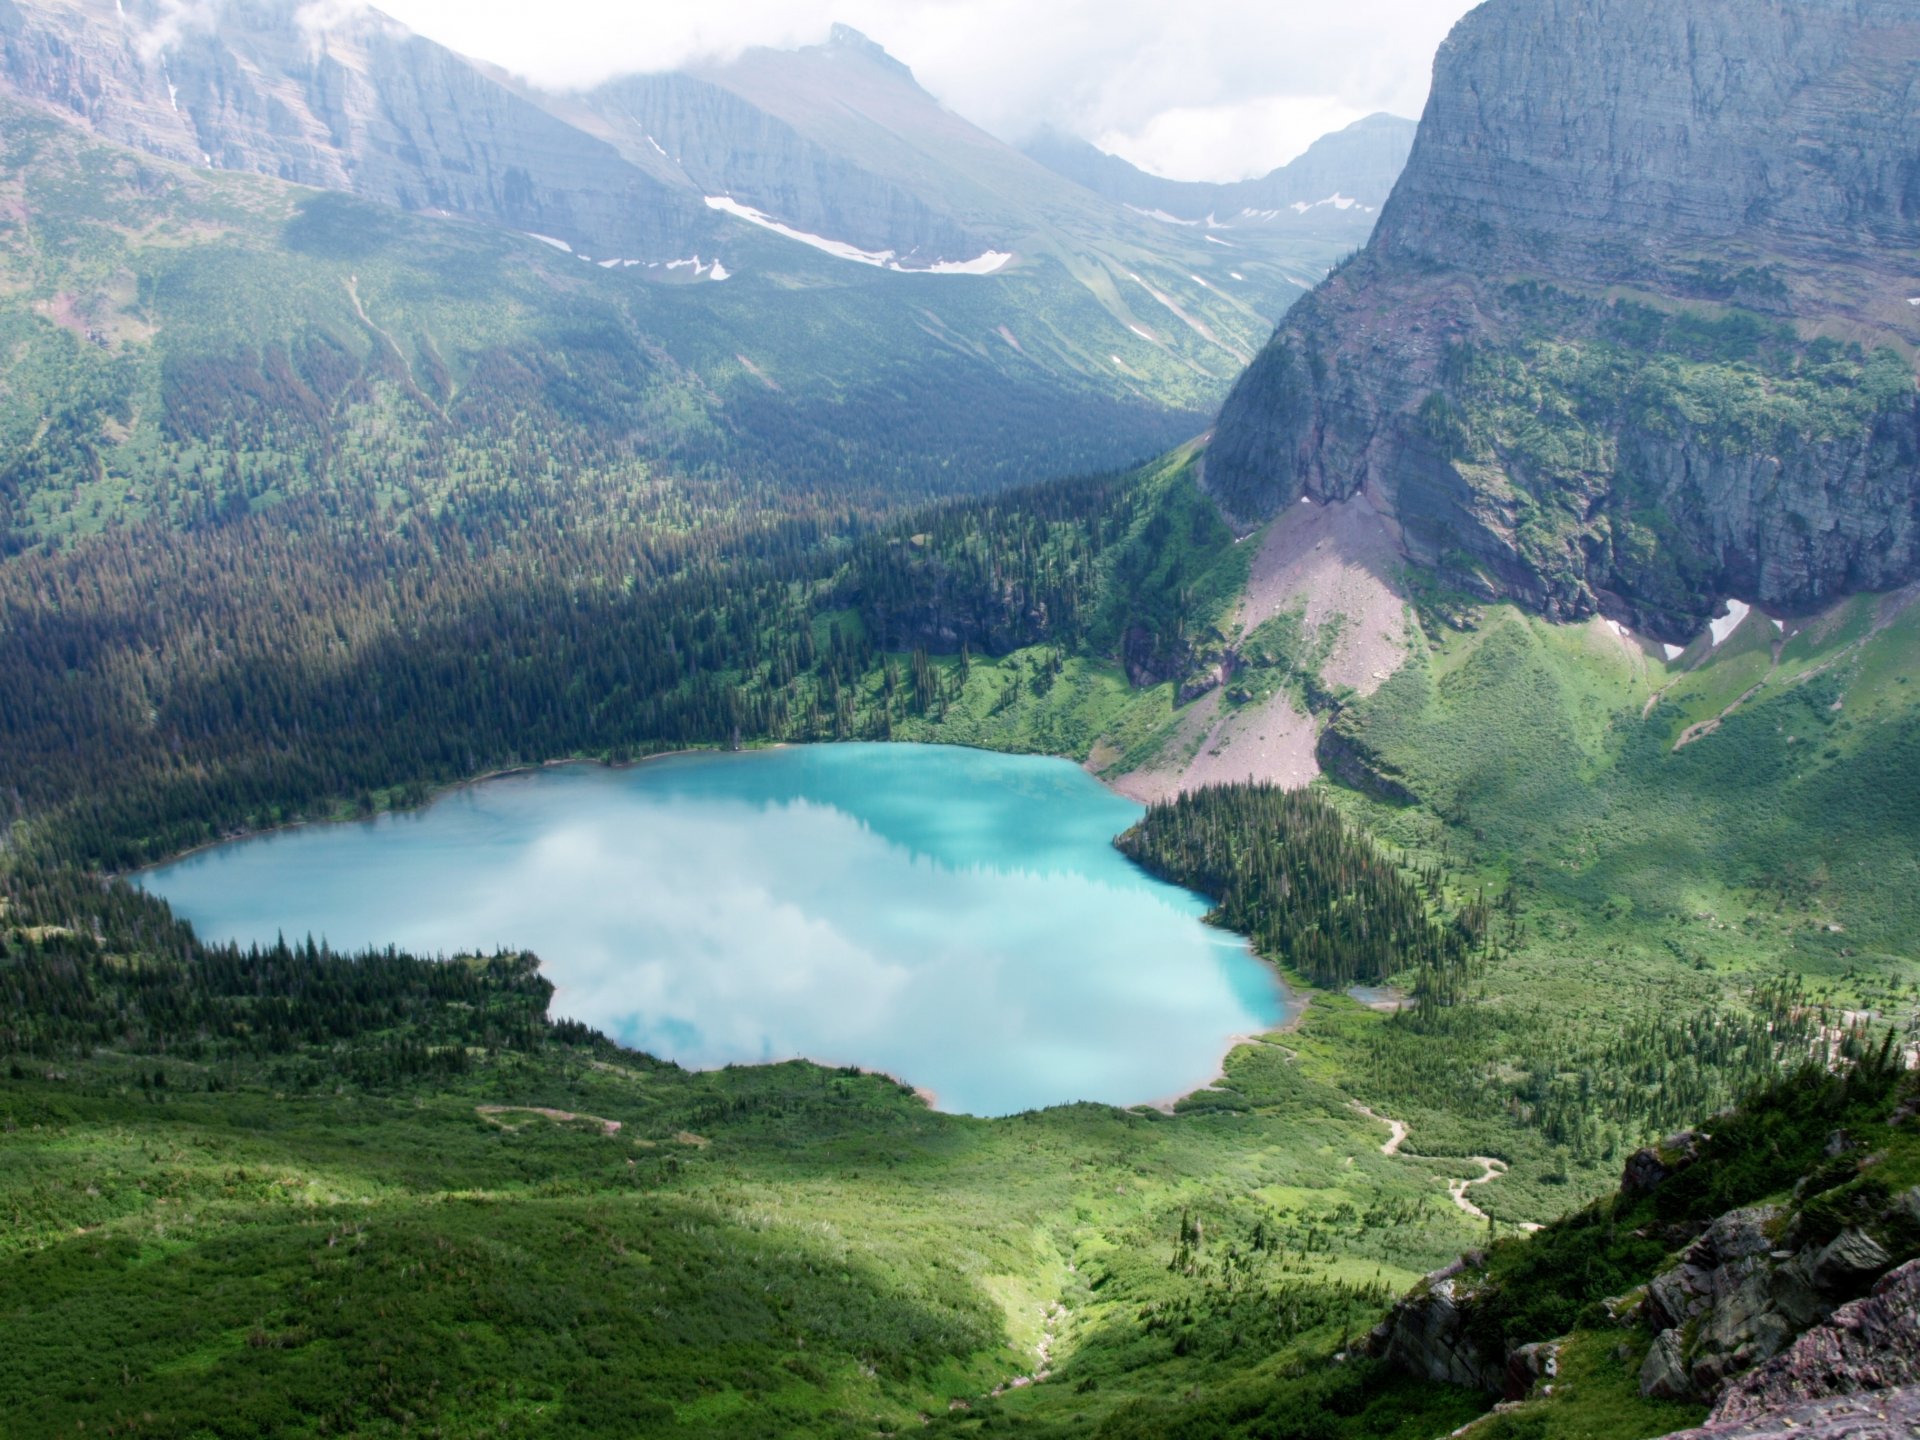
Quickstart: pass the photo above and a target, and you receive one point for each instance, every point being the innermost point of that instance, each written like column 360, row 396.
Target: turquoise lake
column 956, row 918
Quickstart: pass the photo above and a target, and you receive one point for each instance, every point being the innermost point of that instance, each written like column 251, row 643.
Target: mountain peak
column 845, row 37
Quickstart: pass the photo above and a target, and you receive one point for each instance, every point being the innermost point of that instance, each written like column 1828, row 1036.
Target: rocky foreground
column 1798, row 1314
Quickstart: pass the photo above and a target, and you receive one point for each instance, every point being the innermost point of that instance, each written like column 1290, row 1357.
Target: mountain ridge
column 1358, row 163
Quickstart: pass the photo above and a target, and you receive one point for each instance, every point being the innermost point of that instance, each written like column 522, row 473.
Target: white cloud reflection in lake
column 956, row 918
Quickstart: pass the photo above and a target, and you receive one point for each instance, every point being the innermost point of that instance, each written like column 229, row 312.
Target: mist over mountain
column 1350, row 172
column 846, row 235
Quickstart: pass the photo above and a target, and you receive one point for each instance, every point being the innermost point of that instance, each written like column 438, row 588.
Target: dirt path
column 1398, row 1128
column 1490, row 1168
column 492, row 1113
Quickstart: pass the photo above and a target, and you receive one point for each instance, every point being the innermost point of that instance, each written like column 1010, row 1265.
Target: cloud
column 1217, row 90
column 175, row 19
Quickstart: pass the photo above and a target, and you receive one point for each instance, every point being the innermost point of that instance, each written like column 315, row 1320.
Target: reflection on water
column 954, row 917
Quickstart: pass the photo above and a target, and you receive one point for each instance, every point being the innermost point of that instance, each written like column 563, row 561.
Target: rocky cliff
column 1636, row 328
column 361, row 105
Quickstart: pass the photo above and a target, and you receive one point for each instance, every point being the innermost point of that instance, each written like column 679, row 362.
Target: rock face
column 728, row 146
column 1756, row 1309
column 363, row 105
column 1429, row 1334
column 1894, row 1415
column 1868, row 1345
column 1578, row 359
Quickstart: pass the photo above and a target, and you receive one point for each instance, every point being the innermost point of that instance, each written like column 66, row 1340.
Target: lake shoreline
column 1292, row 1005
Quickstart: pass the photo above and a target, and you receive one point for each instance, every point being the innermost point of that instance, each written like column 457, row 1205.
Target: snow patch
column 1619, row 629
column 1142, row 334
column 1779, row 626
column 1914, row 301
column 1737, row 611
column 657, row 146
column 985, row 264
column 1674, row 652
column 1216, row 240
column 1162, row 216
column 562, row 246
column 1238, row 276
column 702, row 270
column 1198, row 281
column 173, row 93
column 1336, row 200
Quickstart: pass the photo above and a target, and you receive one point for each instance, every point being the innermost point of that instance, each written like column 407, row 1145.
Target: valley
column 657, row 571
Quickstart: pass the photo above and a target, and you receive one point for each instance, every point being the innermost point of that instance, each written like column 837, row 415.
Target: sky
column 1203, row 90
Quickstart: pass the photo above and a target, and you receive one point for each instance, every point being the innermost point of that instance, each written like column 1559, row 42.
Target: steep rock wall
column 1634, row 331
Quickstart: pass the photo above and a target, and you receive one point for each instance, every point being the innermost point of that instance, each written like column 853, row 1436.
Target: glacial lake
column 955, row 918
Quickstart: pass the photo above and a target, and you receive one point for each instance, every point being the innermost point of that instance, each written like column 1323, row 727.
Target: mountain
column 362, row 105
column 1346, row 175
column 796, row 268
column 1636, row 329
column 832, row 147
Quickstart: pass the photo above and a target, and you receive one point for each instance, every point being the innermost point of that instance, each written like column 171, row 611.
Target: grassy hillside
column 219, row 1202
column 181, row 344
column 318, row 508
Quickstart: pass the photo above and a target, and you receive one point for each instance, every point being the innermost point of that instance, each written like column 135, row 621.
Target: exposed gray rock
column 1678, row 1295
column 1696, row 153
column 1869, row 1345
column 364, row 106
column 1733, row 1303
column 1891, row 1415
column 1646, row 1168
column 1850, row 1263
column 1663, row 1374
column 1427, row 1335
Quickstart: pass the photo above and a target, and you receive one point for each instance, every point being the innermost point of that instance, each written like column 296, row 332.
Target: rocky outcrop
column 1869, row 1345
column 1429, row 1334
column 1574, row 362
column 1753, row 1285
column 1651, row 1165
column 1893, row 1415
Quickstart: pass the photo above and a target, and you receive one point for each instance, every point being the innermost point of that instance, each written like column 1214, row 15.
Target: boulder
column 1850, row 1263
column 1889, row 1415
column 1663, row 1374
column 1678, row 1295
column 1529, row 1365
column 1870, row 1345
column 1646, row 1169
